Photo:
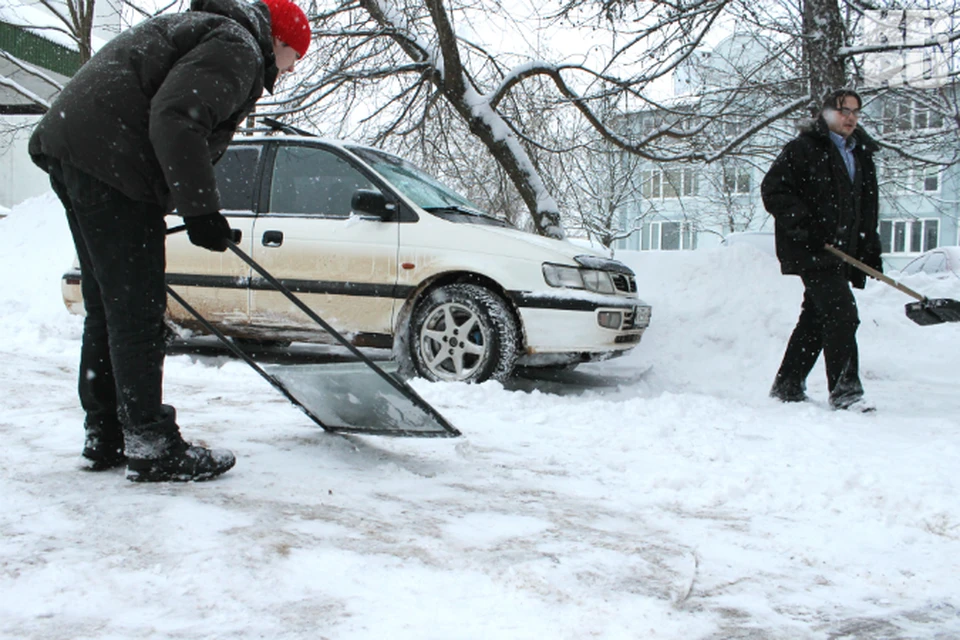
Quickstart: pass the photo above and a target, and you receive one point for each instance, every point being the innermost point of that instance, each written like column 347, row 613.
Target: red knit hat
column 289, row 23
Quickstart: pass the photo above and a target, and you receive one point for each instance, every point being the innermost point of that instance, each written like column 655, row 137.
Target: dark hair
column 834, row 99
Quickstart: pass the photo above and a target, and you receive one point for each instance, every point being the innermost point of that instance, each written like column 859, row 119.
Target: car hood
column 560, row 250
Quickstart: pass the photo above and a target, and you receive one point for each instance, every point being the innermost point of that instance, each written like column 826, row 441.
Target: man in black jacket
column 132, row 137
column 822, row 189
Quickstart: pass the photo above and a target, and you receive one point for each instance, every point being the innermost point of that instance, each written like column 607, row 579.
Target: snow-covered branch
column 23, row 91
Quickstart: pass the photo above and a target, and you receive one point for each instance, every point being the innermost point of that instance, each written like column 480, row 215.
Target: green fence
column 38, row 51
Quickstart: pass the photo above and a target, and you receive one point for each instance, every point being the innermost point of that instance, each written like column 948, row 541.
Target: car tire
column 440, row 351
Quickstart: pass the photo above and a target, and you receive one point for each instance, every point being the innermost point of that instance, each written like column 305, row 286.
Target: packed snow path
column 683, row 504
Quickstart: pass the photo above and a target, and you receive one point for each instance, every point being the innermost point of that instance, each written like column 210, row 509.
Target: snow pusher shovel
column 926, row 311
column 359, row 398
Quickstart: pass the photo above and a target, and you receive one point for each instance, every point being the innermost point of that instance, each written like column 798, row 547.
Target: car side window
column 313, row 181
column 936, row 263
column 237, row 176
column 914, row 267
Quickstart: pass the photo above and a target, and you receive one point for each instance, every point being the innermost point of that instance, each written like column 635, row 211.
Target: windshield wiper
column 456, row 208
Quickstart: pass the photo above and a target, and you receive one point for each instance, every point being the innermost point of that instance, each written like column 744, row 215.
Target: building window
column 736, row 180
column 669, row 236
column 646, row 124
column 909, row 115
column 669, row 183
column 909, row 236
column 913, row 180
column 733, row 127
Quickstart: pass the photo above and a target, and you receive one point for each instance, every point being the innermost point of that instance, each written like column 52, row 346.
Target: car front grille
column 624, row 283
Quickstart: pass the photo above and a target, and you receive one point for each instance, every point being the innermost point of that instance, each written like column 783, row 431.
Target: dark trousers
column 828, row 322
column 120, row 245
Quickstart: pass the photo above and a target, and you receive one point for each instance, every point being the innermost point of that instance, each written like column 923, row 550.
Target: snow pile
column 721, row 319
column 680, row 502
column 36, row 250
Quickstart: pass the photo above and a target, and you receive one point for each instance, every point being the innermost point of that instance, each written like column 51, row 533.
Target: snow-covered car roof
column 922, row 262
column 762, row 240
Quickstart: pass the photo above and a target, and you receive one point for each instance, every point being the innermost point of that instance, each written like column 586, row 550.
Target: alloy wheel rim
column 453, row 342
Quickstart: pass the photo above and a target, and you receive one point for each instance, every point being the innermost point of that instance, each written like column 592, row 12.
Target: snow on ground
column 680, row 504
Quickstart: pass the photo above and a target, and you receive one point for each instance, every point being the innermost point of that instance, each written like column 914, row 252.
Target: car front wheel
column 465, row 333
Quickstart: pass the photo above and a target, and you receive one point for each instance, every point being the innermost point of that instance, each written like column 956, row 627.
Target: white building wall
column 19, row 177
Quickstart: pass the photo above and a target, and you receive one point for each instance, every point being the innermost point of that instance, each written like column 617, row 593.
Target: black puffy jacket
column 809, row 193
column 157, row 106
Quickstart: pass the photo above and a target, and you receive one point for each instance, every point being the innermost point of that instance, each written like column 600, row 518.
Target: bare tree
column 594, row 183
column 387, row 69
column 421, row 76
column 76, row 21
column 21, row 68
column 414, row 54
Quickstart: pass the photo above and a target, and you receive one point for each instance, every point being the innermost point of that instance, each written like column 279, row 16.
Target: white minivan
column 392, row 258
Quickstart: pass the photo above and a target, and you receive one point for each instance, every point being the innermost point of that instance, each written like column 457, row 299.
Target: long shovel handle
column 873, row 273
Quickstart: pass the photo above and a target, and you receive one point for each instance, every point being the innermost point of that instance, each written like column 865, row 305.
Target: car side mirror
column 373, row 203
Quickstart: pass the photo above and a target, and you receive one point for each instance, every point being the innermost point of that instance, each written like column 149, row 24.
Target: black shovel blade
column 349, row 397
column 936, row 311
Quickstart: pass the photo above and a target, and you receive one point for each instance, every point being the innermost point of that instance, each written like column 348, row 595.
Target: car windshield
column 425, row 190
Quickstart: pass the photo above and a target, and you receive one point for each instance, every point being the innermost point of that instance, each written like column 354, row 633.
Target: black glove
column 210, row 231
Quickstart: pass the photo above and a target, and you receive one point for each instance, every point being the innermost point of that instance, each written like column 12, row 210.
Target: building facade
column 685, row 206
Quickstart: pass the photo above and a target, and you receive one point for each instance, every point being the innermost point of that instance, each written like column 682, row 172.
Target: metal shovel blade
column 936, row 311
column 349, row 398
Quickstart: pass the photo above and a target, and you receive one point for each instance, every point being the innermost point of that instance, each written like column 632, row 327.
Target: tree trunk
column 822, row 39
column 518, row 166
column 482, row 119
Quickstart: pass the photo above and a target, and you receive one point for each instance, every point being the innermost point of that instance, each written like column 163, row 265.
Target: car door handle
column 272, row 238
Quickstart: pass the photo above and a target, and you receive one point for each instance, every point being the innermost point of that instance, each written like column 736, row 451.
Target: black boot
column 788, row 390
column 184, row 463
column 852, row 403
column 157, row 453
column 103, row 446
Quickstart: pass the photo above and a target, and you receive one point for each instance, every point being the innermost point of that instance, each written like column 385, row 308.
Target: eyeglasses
column 849, row 112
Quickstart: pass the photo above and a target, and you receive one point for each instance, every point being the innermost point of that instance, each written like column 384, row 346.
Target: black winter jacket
column 157, row 106
column 809, row 193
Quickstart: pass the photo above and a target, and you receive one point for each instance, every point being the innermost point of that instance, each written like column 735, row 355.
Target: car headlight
column 574, row 278
column 559, row 276
column 598, row 281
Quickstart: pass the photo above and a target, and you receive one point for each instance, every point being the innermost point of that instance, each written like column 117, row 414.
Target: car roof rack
column 283, row 127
